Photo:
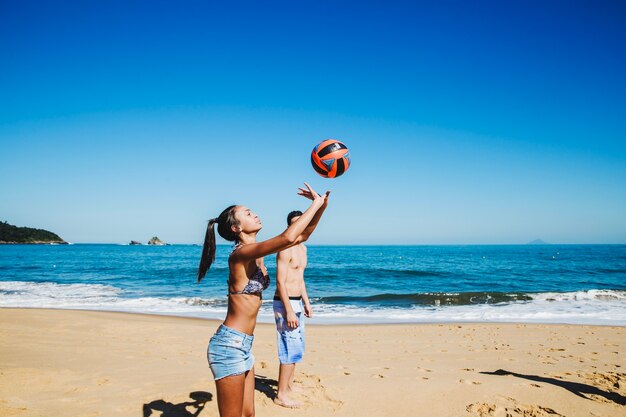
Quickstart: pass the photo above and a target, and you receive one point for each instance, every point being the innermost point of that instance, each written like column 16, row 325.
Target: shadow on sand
column 200, row 398
column 573, row 387
column 266, row 385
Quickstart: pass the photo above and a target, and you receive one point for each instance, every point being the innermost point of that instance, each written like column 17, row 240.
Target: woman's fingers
column 310, row 193
column 310, row 189
column 314, row 194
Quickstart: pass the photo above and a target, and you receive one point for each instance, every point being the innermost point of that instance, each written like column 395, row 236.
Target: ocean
column 578, row 284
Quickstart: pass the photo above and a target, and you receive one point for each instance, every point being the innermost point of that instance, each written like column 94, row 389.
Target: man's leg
column 285, row 376
column 286, row 370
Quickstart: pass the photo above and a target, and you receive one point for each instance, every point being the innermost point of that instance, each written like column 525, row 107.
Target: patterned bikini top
column 256, row 283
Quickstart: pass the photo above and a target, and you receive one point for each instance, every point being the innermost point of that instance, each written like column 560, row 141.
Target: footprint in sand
column 481, row 409
column 465, row 381
column 513, row 408
column 611, row 381
column 11, row 410
column 314, row 392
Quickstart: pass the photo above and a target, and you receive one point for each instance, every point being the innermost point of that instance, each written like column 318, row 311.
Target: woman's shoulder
column 234, row 258
column 234, row 251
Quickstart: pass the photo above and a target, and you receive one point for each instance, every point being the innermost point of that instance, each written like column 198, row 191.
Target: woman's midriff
column 242, row 312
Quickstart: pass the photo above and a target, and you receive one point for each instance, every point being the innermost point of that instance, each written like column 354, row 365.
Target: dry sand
column 77, row 363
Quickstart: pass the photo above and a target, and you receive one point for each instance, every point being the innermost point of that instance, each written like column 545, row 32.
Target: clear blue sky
column 468, row 122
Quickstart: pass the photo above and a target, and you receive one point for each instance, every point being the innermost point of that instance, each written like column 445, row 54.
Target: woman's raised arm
column 287, row 238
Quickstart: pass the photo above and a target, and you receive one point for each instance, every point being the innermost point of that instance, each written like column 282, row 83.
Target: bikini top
column 256, row 284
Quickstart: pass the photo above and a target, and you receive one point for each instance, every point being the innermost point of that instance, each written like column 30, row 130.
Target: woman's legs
column 230, row 395
column 235, row 395
column 248, row 394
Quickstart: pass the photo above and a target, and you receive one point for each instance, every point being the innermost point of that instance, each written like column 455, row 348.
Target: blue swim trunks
column 291, row 341
column 230, row 352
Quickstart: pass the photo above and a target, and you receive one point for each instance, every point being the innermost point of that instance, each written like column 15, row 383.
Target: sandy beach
column 85, row 363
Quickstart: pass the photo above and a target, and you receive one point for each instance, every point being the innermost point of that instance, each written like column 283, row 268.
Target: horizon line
column 337, row 244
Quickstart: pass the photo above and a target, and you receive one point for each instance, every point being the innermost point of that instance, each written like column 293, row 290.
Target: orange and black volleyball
column 330, row 158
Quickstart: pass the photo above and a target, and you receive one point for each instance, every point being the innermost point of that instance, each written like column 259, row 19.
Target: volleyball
column 330, row 158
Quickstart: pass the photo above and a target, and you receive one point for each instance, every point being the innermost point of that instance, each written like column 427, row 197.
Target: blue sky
column 489, row 122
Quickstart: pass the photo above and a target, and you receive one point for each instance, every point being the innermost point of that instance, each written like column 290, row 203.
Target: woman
column 229, row 352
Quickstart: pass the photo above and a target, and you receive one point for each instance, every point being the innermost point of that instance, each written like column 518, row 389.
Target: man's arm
column 282, row 269
column 308, row 311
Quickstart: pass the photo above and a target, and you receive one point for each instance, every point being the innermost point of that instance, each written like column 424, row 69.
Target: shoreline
column 316, row 321
column 420, row 323
column 326, row 324
column 89, row 363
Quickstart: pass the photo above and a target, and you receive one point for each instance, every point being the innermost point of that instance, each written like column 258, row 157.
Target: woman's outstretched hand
column 311, row 194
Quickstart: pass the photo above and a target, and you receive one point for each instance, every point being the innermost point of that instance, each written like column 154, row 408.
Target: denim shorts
column 291, row 342
column 230, row 352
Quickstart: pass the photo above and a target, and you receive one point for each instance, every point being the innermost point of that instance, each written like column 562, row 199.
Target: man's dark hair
column 291, row 215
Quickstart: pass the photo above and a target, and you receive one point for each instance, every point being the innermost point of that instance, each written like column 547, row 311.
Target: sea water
column 582, row 284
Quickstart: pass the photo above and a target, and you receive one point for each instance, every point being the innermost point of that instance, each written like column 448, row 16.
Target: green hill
column 13, row 234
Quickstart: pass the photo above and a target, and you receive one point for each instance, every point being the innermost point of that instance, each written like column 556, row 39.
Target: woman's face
column 248, row 221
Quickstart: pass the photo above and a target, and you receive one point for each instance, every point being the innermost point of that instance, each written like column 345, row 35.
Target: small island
column 155, row 241
column 537, row 242
column 134, row 242
column 14, row 235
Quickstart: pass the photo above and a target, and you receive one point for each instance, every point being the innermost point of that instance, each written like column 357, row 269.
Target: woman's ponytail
column 224, row 221
column 208, row 250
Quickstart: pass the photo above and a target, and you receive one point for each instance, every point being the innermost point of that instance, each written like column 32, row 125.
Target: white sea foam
column 604, row 307
column 102, row 297
column 30, row 294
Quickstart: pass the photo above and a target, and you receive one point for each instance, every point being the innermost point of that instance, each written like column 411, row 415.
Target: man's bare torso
column 295, row 270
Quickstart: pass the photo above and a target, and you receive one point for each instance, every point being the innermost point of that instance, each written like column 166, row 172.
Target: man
column 290, row 303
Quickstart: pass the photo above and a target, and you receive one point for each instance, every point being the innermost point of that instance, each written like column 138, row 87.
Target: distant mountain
column 10, row 234
column 538, row 242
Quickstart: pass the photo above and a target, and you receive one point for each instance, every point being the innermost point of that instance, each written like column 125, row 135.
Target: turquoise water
column 369, row 284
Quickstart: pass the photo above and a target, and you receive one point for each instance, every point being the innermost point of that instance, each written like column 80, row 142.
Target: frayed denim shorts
column 230, row 352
